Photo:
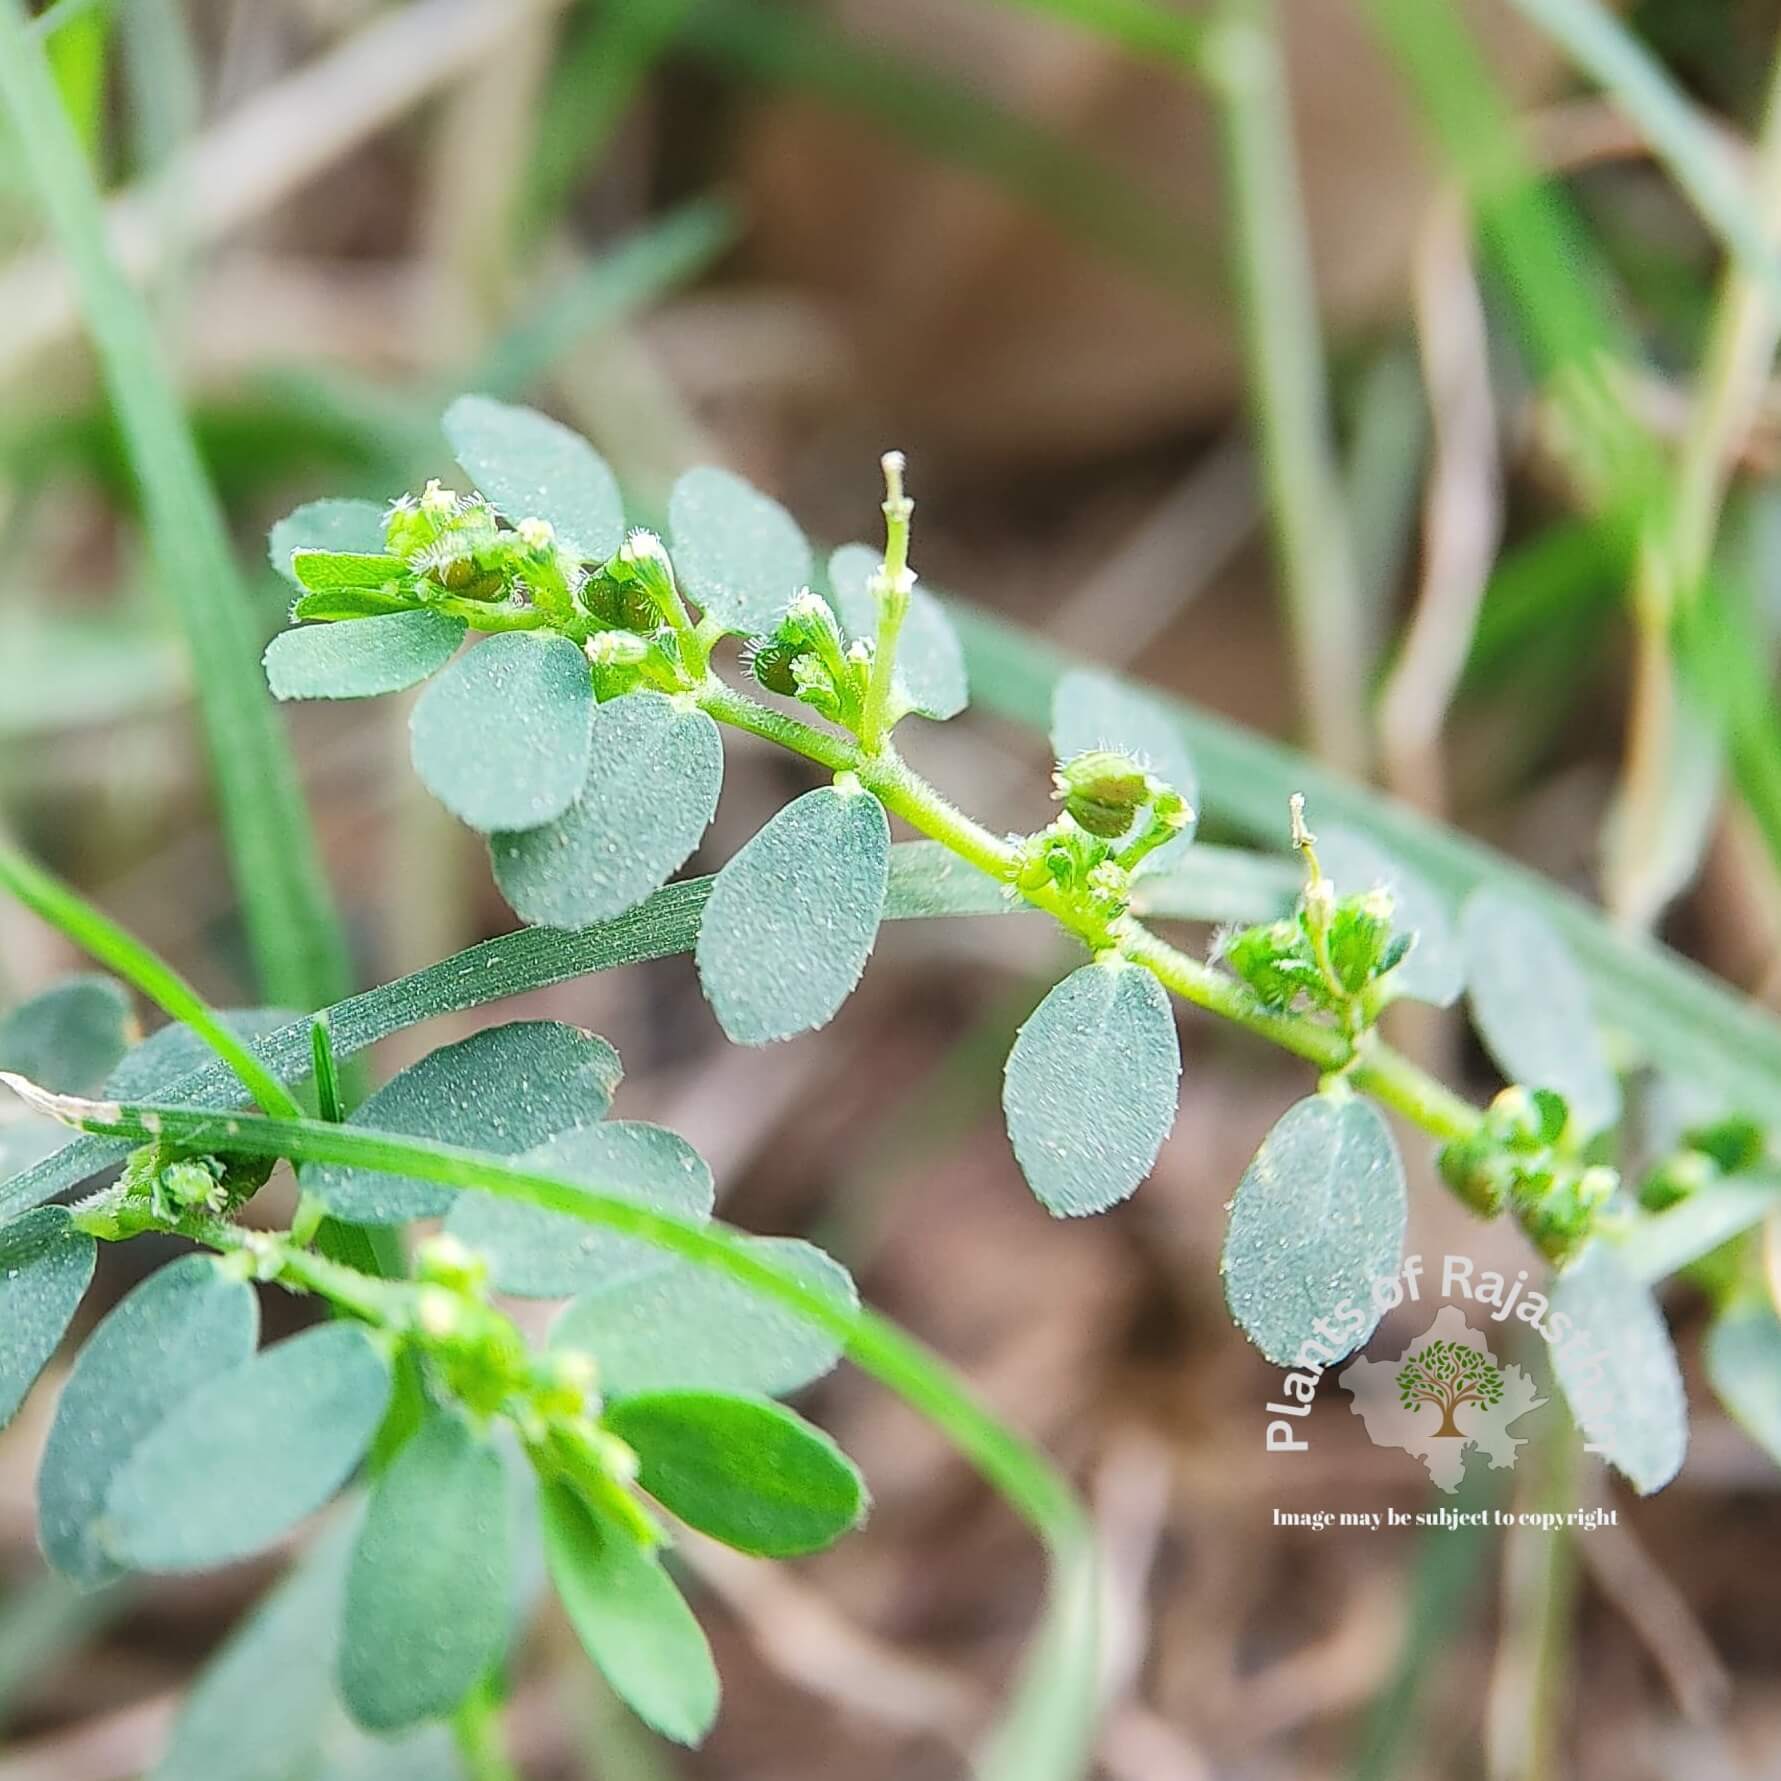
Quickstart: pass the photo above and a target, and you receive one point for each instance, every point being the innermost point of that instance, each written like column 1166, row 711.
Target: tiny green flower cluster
column 807, row 658
column 1705, row 1156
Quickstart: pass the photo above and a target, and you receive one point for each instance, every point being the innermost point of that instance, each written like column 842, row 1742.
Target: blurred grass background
column 1394, row 376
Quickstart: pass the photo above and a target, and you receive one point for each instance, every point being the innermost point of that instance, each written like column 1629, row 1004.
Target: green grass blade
column 296, row 942
column 1155, row 33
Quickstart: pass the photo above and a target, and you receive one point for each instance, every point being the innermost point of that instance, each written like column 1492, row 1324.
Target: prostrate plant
column 581, row 736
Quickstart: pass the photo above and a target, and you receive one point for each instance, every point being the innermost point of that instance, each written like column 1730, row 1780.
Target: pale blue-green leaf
column 745, row 1471
column 427, row 1592
column 349, row 571
column 1435, row 970
column 249, row 1453
column 185, row 1325
column 501, row 737
column 548, row 1255
column 362, row 658
column 930, row 660
column 1743, row 1356
column 653, row 775
column 503, row 1090
column 532, row 467
column 738, row 554
column 1091, row 709
column 1532, row 1008
column 428, row 1754
column 793, row 916
column 149, row 1070
column 1666, row 1242
column 353, row 527
column 1618, row 1370
column 45, row 1267
column 1319, row 1216
column 1090, row 1087
column 674, row 1325
column 70, row 1037
column 631, row 1620
column 260, row 1707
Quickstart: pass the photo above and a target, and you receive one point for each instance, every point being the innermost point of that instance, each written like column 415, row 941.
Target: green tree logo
column 1448, row 1374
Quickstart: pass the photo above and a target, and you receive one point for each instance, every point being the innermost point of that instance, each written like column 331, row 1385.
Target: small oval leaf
column 69, row 1038
column 532, row 467
column 1090, row 1088
column 427, row 1593
column 1743, row 1356
column 150, row 1070
column 930, row 659
column 654, row 773
column 504, row 1089
column 249, row 1453
column 678, row 1326
column 1531, row 1006
column 749, row 1473
column 355, row 527
column 181, row 1327
column 45, row 1267
column 738, row 554
column 1319, row 1216
column 1618, row 1370
column 793, row 916
column 363, row 658
column 631, row 1620
column 1092, row 709
column 501, row 737
column 1435, row 971
column 537, row 1254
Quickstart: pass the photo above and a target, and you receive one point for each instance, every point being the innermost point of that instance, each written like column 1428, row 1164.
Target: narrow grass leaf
column 793, row 916
column 654, row 771
column 360, row 660
column 1618, row 1370
column 354, row 527
column 532, row 467
column 70, row 1037
column 1090, row 1088
column 1091, row 709
column 1435, row 970
column 502, row 1090
column 248, row 1454
column 1743, row 1356
column 674, row 1326
column 739, row 555
column 631, row 1620
column 185, row 1325
column 747, row 1472
column 45, row 1267
column 930, row 661
column 1531, row 1006
column 544, row 1255
column 427, row 1592
column 1319, row 1216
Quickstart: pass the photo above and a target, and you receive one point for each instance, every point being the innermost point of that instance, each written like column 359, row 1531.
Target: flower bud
column 773, row 662
column 1735, row 1144
column 1360, row 939
column 444, row 1261
column 1102, row 790
column 1477, row 1171
column 616, row 649
column 1677, row 1178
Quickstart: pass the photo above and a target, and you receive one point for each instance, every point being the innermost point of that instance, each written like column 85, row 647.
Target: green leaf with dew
column 535, row 1253
column 504, row 1089
column 631, row 1620
column 739, row 556
column 185, row 1325
column 149, row 1071
column 68, row 1038
column 501, row 737
column 1319, row 1216
column 248, row 1453
column 427, row 1592
column 745, row 1471
column 45, row 1267
column 361, row 660
column 352, row 527
column 930, row 661
column 532, row 467
column 793, row 915
column 1617, row 1367
column 654, row 771
column 1090, row 1087
column 1531, row 1006
column 676, row 1326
